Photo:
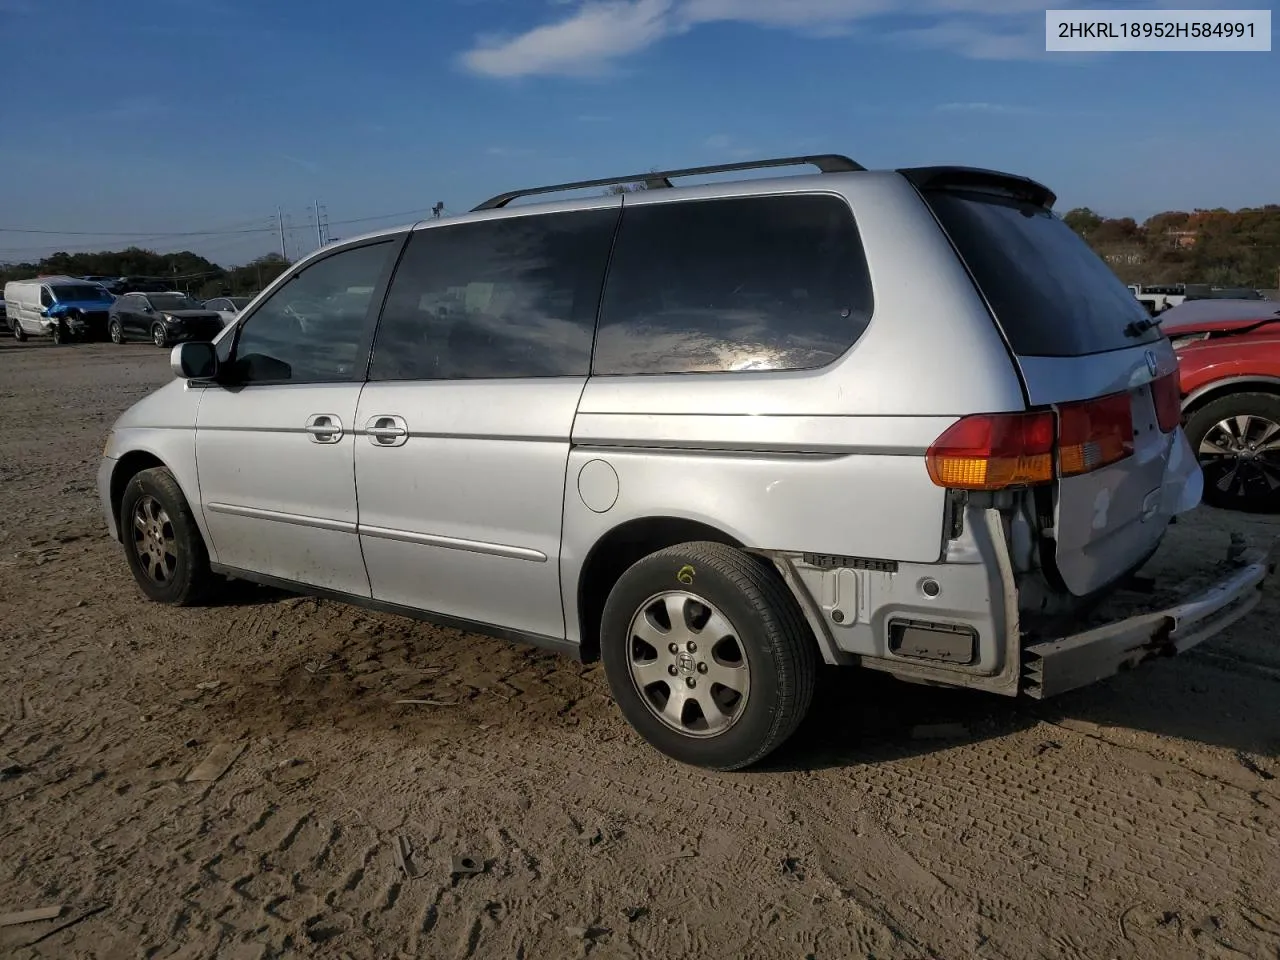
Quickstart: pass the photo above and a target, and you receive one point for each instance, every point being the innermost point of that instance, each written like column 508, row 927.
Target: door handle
column 387, row 431
column 324, row 428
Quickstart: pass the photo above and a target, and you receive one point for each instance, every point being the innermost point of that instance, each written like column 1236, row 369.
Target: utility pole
column 280, row 223
column 319, row 233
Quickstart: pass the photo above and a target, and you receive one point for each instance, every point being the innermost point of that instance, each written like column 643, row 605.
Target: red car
column 1229, row 363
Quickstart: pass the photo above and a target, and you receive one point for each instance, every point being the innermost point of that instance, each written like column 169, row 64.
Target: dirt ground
column 1139, row 818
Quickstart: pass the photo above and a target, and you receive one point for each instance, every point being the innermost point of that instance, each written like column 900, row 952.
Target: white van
column 63, row 308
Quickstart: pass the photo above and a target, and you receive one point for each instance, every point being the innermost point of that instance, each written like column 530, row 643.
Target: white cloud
column 598, row 32
column 979, row 43
column 584, row 43
column 783, row 13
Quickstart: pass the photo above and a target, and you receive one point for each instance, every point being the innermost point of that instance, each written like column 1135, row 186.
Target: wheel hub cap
column 687, row 664
column 1241, row 457
column 154, row 542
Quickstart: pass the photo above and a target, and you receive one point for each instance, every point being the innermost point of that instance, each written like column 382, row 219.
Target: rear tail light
column 1094, row 434
column 1167, row 396
column 997, row 451
column 994, row 451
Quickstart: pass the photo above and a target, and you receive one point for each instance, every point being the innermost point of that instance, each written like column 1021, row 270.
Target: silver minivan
column 714, row 435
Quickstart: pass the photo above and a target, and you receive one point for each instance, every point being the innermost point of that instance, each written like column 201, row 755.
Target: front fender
column 160, row 427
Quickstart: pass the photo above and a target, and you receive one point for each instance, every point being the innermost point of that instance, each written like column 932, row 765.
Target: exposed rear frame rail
column 661, row 179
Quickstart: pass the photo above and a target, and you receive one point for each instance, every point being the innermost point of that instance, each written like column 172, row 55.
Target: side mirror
column 194, row 361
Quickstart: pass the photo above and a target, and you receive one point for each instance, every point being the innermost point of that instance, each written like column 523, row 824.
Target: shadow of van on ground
column 1203, row 697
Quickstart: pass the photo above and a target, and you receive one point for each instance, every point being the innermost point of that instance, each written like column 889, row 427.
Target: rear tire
column 162, row 543
column 737, row 656
column 18, row 333
column 1236, row 438
column 115, row 332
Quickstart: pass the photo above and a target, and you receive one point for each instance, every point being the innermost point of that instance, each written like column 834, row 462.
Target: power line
column 141, row 233
column 92, row 246
column 201, row 233
column 220, row 240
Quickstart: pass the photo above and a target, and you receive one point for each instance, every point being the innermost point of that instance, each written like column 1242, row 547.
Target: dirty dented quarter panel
column 160, row 425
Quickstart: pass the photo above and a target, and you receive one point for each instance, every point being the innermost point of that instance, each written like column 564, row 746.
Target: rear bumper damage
column 1055, row 666
column 852, row 613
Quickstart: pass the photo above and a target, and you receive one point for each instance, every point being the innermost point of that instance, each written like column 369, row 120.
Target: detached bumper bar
column 1056, row 666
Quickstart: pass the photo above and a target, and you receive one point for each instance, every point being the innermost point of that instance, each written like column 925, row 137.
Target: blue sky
column 165, row 116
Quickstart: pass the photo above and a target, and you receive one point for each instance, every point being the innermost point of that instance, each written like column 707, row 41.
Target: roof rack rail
column 825, row 162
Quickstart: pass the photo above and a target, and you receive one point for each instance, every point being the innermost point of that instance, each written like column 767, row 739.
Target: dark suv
column 162, row 318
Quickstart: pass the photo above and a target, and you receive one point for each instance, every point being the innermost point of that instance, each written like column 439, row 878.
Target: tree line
column 1220, row 247
column 185, row 270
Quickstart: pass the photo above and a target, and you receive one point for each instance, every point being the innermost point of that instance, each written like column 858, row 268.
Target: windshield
column 79, row 293
column 1050, row 293
column 239, row 302
column 173, row 301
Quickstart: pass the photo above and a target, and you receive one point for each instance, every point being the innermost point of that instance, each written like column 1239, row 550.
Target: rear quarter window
column 733, row 285
column 1050, row 293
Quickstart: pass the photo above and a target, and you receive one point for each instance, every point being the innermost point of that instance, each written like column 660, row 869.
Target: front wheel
column 708, row 655
column 158, row 335
column 117, row 335
column 162, row 543
column 59, row 333
column 1237, row 441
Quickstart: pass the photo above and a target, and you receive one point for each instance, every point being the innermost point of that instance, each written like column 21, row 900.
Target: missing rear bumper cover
column 942, row 642
column 1056, row 666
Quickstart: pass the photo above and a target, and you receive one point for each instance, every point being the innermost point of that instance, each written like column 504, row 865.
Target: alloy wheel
column 1240, row 457
column 154, row 541
column 687, row 664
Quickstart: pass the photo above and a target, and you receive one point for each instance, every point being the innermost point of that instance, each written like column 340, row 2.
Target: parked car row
column 1158, row 298
column 71, row 309
column 119, row 286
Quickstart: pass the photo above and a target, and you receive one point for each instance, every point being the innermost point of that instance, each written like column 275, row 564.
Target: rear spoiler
column 979, row 180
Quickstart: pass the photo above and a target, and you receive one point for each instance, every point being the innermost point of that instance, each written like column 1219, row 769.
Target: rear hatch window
column 1051, row 295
